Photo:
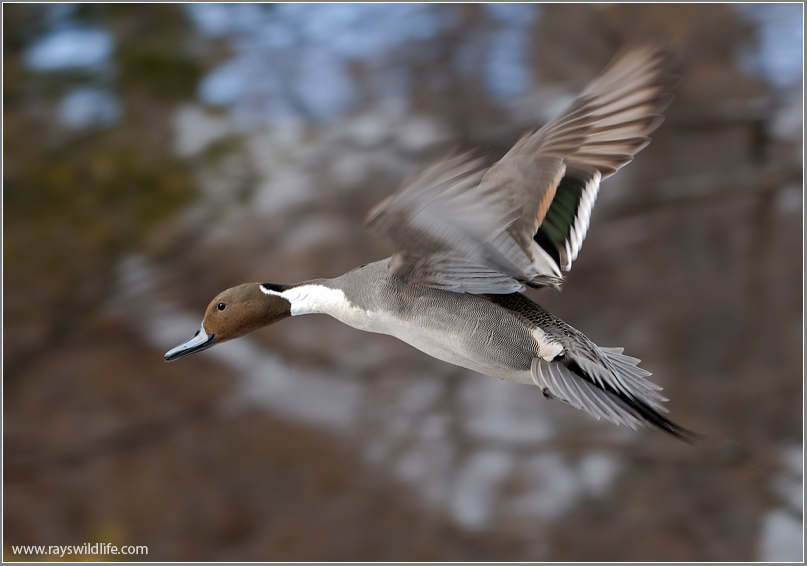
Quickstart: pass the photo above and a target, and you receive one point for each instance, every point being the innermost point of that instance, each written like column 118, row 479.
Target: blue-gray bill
column 200, row 341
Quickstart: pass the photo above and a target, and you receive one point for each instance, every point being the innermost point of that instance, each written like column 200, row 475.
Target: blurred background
column 157, row 154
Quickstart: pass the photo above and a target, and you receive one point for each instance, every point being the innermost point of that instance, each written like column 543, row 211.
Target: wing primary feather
column 466, row 226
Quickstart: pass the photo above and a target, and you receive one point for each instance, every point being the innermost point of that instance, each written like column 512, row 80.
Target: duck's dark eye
column 221, row 306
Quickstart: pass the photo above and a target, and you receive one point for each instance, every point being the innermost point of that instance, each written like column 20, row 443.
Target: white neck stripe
column 308, row 299
column 266, row 291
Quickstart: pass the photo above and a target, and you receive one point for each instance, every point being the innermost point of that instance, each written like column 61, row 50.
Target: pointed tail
column 610, row 385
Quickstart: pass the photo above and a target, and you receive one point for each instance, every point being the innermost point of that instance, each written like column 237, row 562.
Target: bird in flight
column 468, row 237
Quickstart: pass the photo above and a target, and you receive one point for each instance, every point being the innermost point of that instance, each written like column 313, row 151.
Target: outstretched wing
column 606, row 126
column 466, row 228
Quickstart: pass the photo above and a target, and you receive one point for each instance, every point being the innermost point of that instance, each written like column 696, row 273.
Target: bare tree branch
column 701, row 188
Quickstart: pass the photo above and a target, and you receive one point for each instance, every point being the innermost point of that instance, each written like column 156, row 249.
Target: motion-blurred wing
column 602, row 131
column 448, row 230
column 464, row 227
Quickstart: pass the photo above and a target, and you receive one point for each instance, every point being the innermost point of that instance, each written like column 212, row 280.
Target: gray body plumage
column 508, row 336
column 459, row 328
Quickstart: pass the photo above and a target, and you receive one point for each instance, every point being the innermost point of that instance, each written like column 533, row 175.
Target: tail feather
column 557, row 380
column 613, row 387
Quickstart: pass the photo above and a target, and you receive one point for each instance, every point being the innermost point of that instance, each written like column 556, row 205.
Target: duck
column 469, row 237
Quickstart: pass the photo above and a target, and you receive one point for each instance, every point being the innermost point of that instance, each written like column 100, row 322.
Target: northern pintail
column 468, row 237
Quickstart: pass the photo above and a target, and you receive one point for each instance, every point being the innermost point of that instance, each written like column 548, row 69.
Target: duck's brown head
column 234, row 313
